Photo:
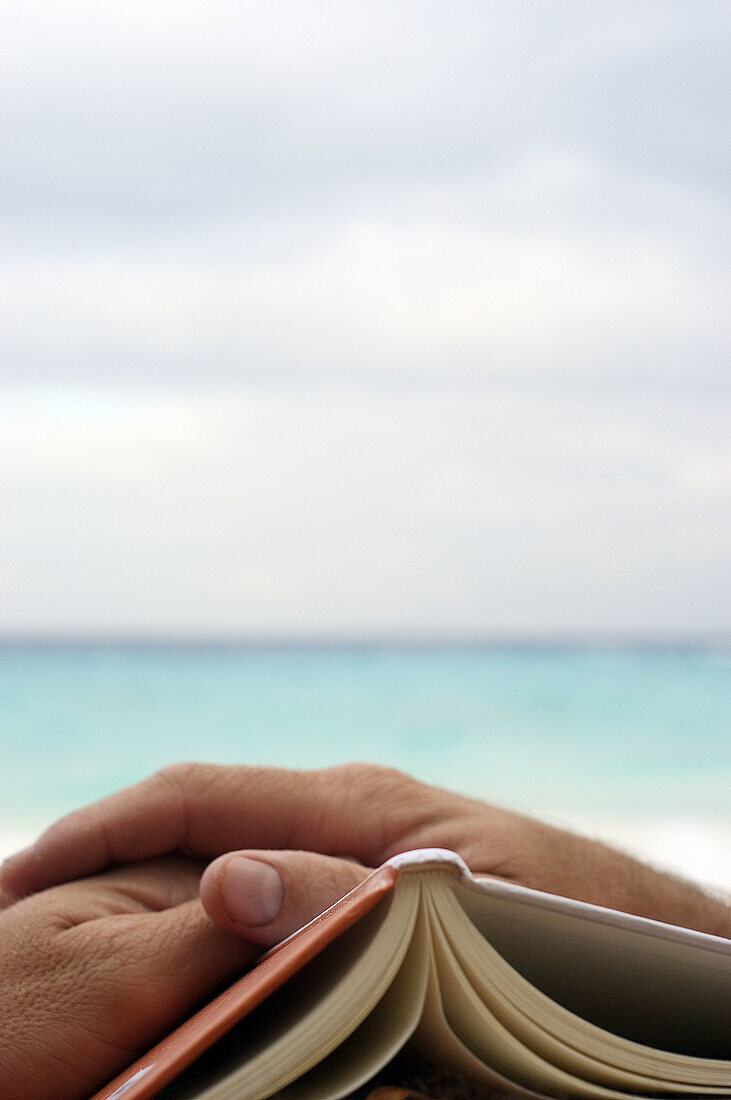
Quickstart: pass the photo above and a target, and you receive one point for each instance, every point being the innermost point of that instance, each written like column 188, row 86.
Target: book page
column 381, row 1035
column 484, row 1034
column 674, row 995
column 558, row 1035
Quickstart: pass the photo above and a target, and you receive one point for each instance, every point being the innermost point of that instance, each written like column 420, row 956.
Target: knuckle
column 81, row 821
column 189, row 779
column 372, row 776
column 179, row 773
column 183, row 788
column 179, row 783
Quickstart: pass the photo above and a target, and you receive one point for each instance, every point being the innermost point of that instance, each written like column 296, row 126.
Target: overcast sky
column 364, row 318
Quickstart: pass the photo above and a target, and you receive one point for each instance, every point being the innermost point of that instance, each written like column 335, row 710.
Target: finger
column 265, row 896
column 358, row 809
column 144, row 887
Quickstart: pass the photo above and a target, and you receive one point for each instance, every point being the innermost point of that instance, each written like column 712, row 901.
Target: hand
column 358, row 811
column 93, row 973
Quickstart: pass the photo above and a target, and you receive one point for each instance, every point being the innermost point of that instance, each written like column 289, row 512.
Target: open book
column 526, row 992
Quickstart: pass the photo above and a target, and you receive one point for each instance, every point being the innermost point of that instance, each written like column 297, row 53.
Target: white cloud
column 345, row 508
column 427, row 294
column 363, row 317
column 125, row 117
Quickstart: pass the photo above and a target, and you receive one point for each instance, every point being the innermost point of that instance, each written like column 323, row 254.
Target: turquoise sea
column 621, row 738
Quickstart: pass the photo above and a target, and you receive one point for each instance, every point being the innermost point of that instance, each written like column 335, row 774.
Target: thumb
column 266, row 895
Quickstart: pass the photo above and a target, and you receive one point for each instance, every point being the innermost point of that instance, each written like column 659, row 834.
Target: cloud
column 126, row 117
column 337, row 510
column 384, row 190
column 430, row 291
column 367, row 317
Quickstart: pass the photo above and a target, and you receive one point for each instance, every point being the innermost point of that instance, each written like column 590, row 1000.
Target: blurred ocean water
column 634, row 744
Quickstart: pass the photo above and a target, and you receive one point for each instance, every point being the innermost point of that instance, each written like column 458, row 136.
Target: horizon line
column 367, row 640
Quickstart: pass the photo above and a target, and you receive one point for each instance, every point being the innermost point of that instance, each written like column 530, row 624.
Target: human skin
column 362, row 812
column 94, row 972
